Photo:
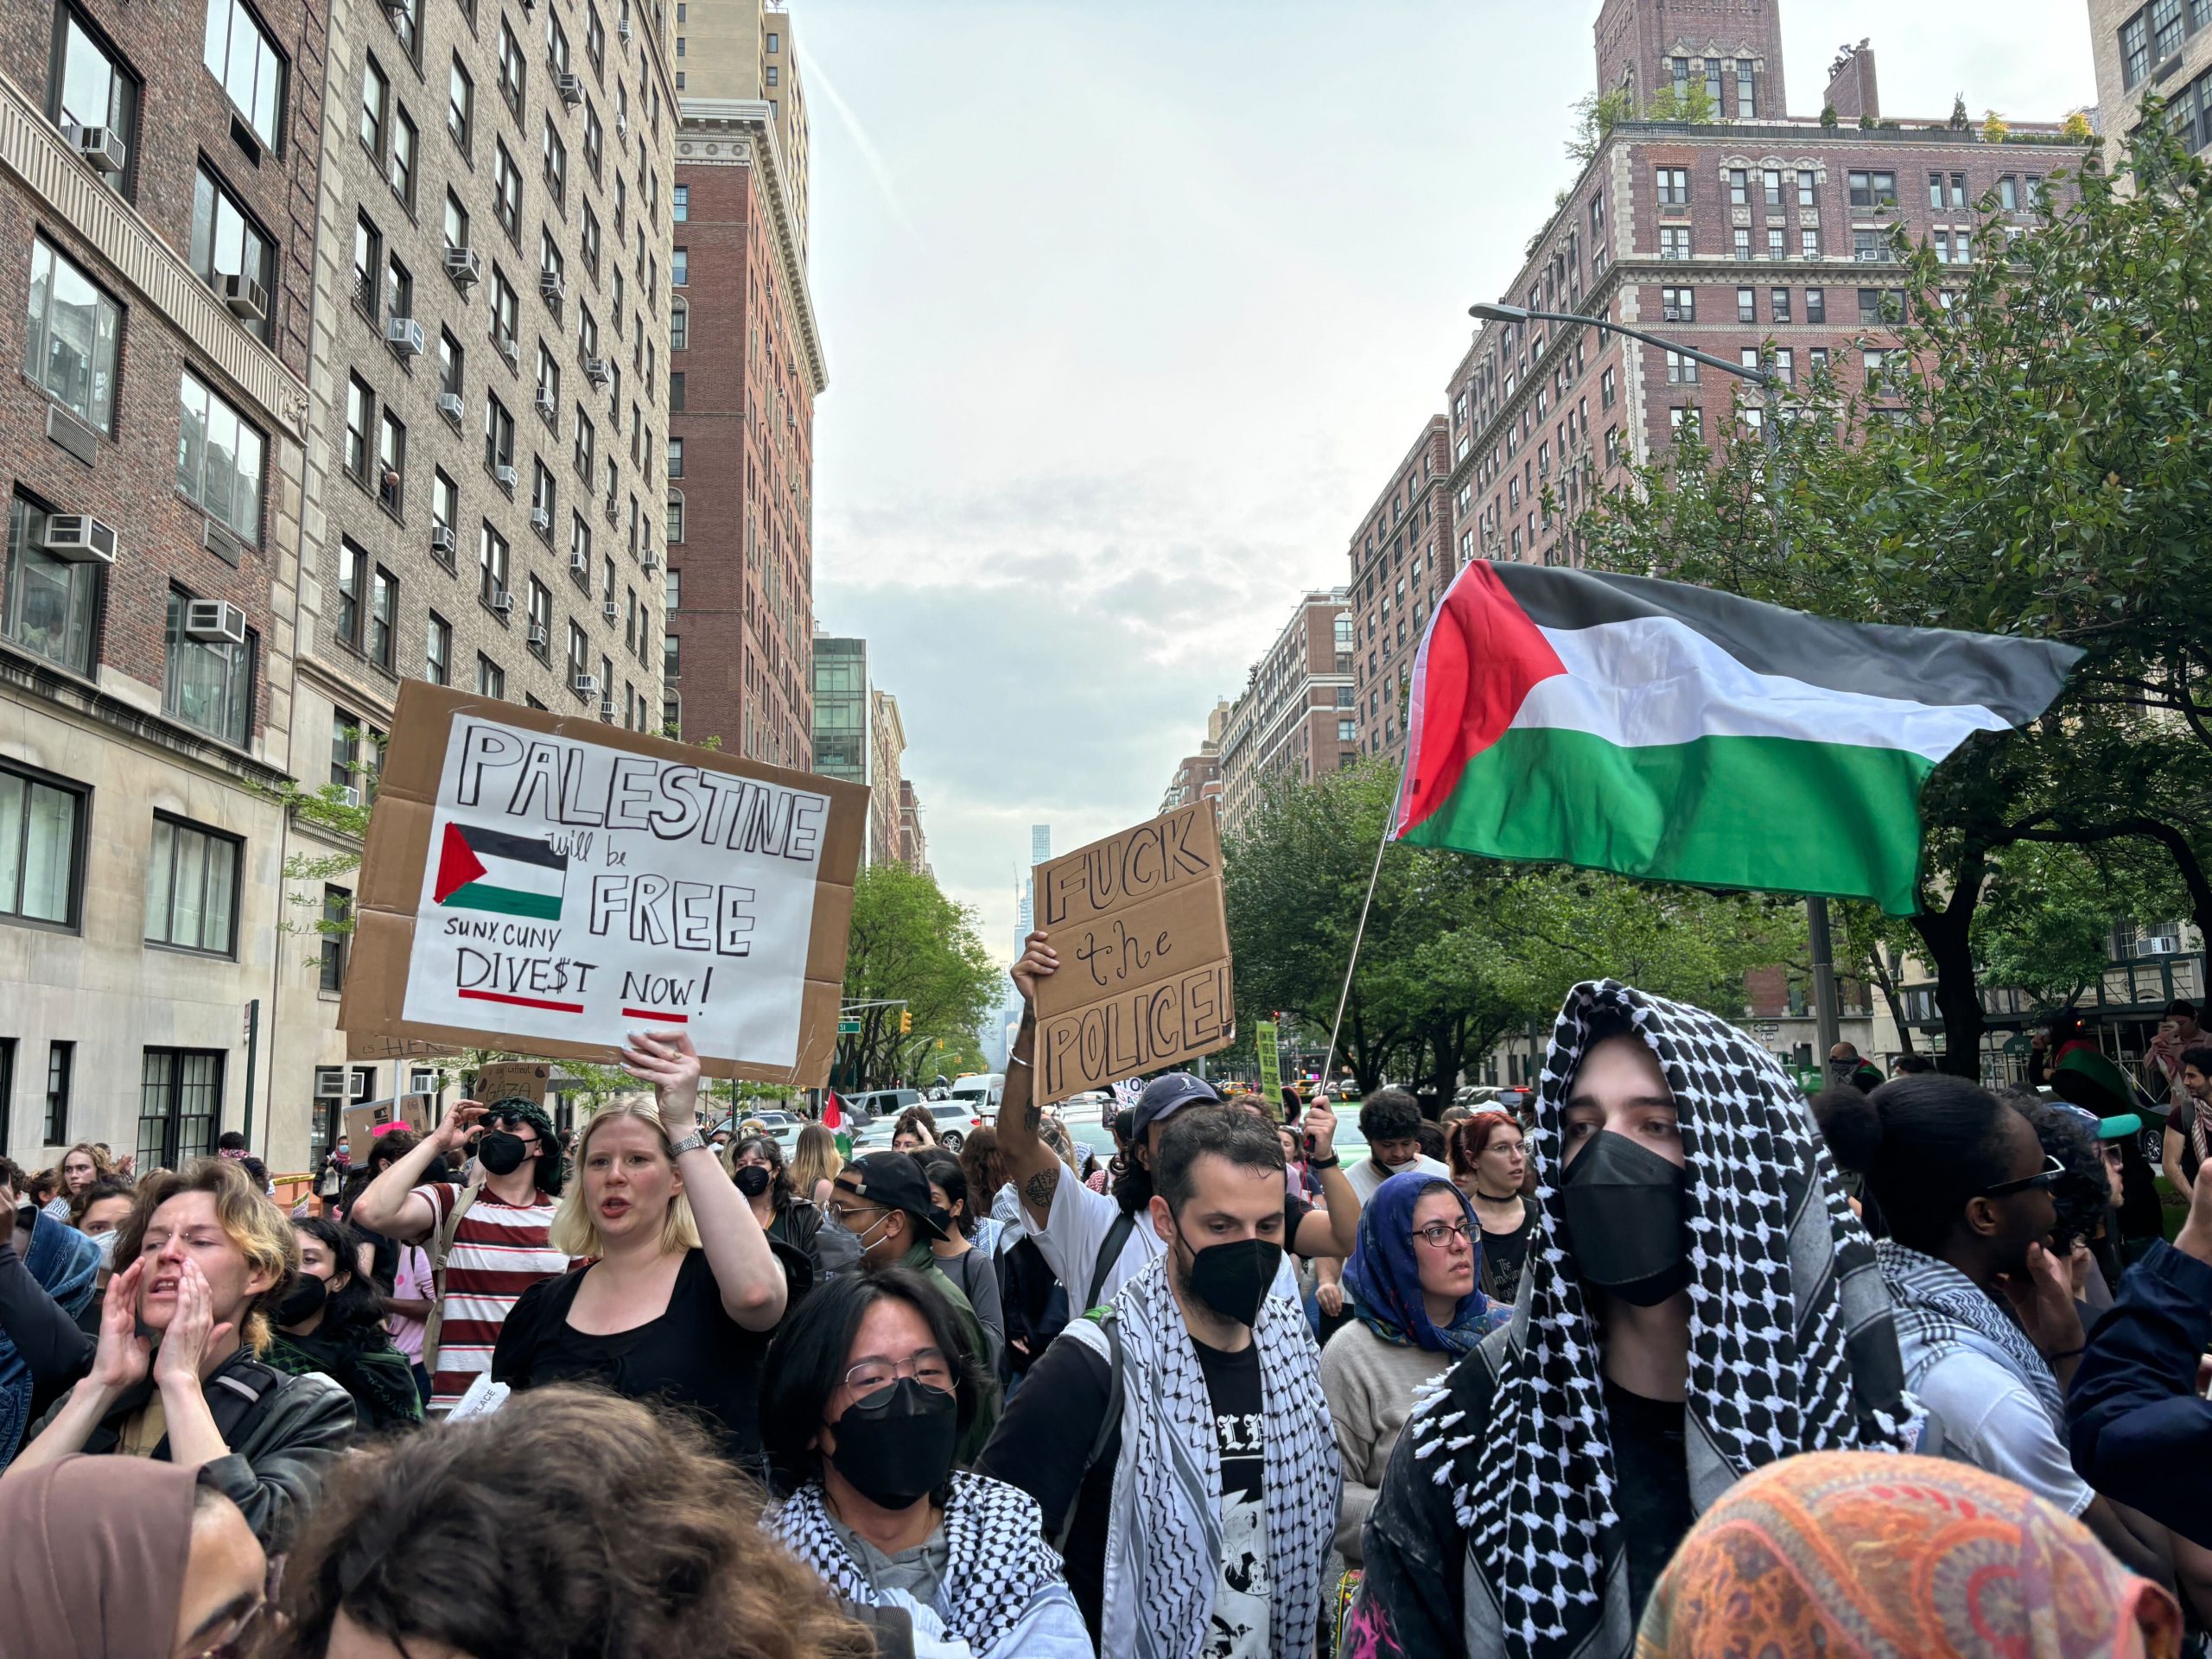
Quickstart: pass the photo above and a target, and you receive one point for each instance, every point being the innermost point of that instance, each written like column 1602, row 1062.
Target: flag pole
column 1359, row 933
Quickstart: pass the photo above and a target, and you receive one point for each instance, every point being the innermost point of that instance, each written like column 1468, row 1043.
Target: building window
column 1605, row 389
column 675, row 457
column 1680, row 371
column 1936, row 191
column 671, row 656
column 1739, row 180
column 52, row 605
column 206, row 683
column 1746, row 102
column 1678, row 304
column 557, row 163
column 240, row 54
column 1776, row 244
column 227, row 243
column 498, row 441
column 511, row 68
column 1770, row 185
column 1958, row 191
column 192, row 884
column 579, row 652
column 461, row 104
column 674, row 586
column 1870, row 247
column 384, row 616
column 1808, row 244
column 70, row 346
column 679, row 326
column 1747, row 305
column 1743, row 243
column 673, row 531
column 490, row 678
column 60, row 1063
column 337, row 923
column 180, row 1098
column 399, row 166
column 1673, row 241
column 1817, row 359
column 391, row 462
column 352, row 569
column 541, row 618
column 90, row 87
column 679, row 267
column 1962, row 246
column 359, row 413
column 506, row 320
column 491, row 564
column 1873, row 190
column 507, row 190
column 676, row 393
column 376, row 100
column 1777, row 300
column 1816, row 305
column 1881, row 305
column 42, row 838
column 218, row 458
column 437, row 652
column 1674, row 186
column 679, row 203
column 1941, row 241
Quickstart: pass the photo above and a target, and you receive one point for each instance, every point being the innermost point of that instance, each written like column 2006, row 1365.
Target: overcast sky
column 1131, row 308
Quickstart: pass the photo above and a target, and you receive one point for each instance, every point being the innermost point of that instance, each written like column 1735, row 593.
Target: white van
column 979, row 1092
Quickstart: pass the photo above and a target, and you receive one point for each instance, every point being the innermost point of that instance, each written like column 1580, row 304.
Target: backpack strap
column 442, row 1246
column 1110, row 1421
column 1109, row 1253
column 237, row 1396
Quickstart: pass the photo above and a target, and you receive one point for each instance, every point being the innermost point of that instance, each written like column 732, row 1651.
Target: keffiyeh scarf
column 1791, row 1345
column 998, row 1564
column 1384, row 1274
column 1163, row 1538
column 1939, row 1308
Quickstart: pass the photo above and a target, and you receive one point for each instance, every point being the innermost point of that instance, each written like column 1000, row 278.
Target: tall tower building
column 1040, row 849
column 1732, row 49
column 744, row 51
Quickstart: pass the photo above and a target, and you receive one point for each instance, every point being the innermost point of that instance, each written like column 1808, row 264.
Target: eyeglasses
column 1439, row 1235
column 235, row 1642
column 842, row 1213
column 2043, row 1179
column 874, row 1372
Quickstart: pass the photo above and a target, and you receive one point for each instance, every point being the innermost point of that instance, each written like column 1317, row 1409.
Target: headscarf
column 65, row 1264
column 1791, row 1350
column 96, row 1552
column 1842, row 1552
column 1384, row 1274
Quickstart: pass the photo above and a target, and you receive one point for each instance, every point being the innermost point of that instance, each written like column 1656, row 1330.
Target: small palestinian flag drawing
column 506, row 875
column 1679, row 735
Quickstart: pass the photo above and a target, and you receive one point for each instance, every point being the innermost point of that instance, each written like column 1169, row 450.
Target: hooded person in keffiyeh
column 1719, row 1310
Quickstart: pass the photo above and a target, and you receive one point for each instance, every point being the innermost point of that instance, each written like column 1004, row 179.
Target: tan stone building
column 1295, row 719
column 2147, row 47
column 886, row 750
column 743, row 50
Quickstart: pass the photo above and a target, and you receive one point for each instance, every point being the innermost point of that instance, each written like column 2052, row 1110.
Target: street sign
column 2020, row 1048
column 849, row 1027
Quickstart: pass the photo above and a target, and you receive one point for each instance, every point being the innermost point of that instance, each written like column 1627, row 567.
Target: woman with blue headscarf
column 48, row 1270
column 1414, row 1281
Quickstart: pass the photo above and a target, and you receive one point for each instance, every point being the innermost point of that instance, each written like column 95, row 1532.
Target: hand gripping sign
column 1142, row 934
column 546, row 884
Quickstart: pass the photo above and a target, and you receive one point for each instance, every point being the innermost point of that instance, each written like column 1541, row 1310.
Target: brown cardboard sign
column 371, row 1045
column 1142, row 934
column 362, row 1121
column 506, row 1080
column 549, row 883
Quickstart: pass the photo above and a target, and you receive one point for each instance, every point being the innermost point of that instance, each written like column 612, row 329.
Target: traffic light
column 906, row 1021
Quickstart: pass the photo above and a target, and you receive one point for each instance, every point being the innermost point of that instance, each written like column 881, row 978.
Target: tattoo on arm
column 1033, row 1119
column 1039, row 1187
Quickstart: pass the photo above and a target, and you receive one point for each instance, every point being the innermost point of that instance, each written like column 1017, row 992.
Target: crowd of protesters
column 1671, row 1362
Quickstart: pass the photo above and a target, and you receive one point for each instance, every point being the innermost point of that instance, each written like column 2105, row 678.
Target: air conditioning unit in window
column 349, row 796
column 503, row 602
column 214, row 621
column 540, row 520
column 450, row 406
column 606, row 707
column 579, row 562
column 538, row 636
column 2160, row 945
column 622, row 29
column 463, row 264
column 79, row 537
column 572, row 88
column 330, row 1082
column 545, row 402
column 244, row 297
column 621, row 126
column 506, row 475
column 610, row 610
column 595, row 371
column 102, row 146
column 650, row 560
column 403, row 335
column 550, row 285
column 588, row 684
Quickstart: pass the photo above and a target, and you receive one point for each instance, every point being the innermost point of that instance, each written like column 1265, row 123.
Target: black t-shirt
column 1240, row 1622
column 1294, row 1211
column 694, row 1356
column 1651, row 1498
column 1046, row 1433
column 1505, row 1254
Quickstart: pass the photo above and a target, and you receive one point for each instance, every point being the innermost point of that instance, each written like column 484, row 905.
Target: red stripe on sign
column 525, row 1001
column 650, row 1013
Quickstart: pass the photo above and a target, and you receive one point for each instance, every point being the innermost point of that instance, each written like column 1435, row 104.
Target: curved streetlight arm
column 1522, row 313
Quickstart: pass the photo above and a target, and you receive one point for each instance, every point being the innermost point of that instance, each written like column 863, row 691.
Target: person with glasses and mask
column 110, row 1559
column 488, row 1240
column 1178, row 1440
column 1986, row 1321
column 868, row 1389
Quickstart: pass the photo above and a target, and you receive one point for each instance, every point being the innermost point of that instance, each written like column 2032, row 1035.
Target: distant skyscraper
column 1025, row 896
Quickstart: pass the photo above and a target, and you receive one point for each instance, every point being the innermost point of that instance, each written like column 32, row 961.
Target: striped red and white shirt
column 499, row 1252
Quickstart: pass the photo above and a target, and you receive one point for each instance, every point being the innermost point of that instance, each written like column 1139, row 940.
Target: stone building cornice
column 741, row 132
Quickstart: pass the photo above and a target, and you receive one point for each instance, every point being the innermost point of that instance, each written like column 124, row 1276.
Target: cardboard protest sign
column 1142, row 935
column 505, row 1079
column 374, row 1045
column 361, row 1122
column 1263, row 1042
column 549, row 883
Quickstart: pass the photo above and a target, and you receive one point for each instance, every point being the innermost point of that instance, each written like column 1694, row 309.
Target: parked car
column 876, row 1103
column 1088, row 1104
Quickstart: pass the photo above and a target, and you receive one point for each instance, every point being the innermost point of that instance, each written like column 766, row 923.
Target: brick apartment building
column 914, row 841
column 1762, row 226
column 746, row 370
column 1402, row 562
column 157, row 168
column 1295, row 719
column 1198, row 776
column 2152, row 48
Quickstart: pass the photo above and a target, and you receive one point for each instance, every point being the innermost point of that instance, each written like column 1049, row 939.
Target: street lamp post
column 1827, row 1021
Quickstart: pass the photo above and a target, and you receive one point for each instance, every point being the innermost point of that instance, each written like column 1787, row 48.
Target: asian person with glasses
column 868, row 1388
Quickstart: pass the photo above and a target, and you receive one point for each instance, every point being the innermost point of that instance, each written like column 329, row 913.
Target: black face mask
column 895, row 1446
column 753, row 1179
column 1233, row 1278
column 303, row 1300
column 1625, row 1219
column 501, row 1153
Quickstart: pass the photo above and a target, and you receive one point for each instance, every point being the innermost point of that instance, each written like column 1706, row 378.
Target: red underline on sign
column 525, row 1001
column 653, row 1013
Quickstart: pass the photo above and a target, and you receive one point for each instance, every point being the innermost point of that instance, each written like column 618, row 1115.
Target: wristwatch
column 692, row 1142
column 1328, row 1162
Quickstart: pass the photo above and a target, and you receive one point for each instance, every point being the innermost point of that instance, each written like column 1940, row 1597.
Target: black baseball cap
column 895, row 1181
column 1164, row 1096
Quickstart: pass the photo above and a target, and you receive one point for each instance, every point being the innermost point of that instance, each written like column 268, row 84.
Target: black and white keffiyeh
column 998, row 1564
column 1164, row 1526
column 1939, row 1309
column 1791, row 1346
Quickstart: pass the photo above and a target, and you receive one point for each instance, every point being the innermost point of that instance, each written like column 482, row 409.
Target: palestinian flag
column 506, row 875
column 833, row 1119
column 1673, row 733
column 2083, row 1077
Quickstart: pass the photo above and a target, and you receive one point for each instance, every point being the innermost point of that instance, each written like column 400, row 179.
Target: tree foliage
column 909, row 942
column 2040, row 469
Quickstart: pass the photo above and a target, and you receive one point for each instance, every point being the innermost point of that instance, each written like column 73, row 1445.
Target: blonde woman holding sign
column 683, row 1289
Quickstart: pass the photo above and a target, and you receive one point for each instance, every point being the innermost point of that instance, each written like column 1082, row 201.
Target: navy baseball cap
column 1164, row 1096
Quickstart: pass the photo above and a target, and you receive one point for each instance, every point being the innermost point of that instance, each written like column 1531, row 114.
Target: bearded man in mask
column 1176, row 1441
column 1699, row 1301
column 487, row 1241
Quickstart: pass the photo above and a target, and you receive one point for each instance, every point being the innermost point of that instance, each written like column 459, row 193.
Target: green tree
column 1596, row 114
column 2040, row 469
column 1693, row 105
column 1961, row 121
column 1829, row 120
column 2046, row 916
column 909, row 944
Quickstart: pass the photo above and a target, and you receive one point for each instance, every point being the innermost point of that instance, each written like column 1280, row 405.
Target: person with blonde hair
column 176, row 1373
column 682, row 1289
column 815, row 1163
column 82, row 1165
